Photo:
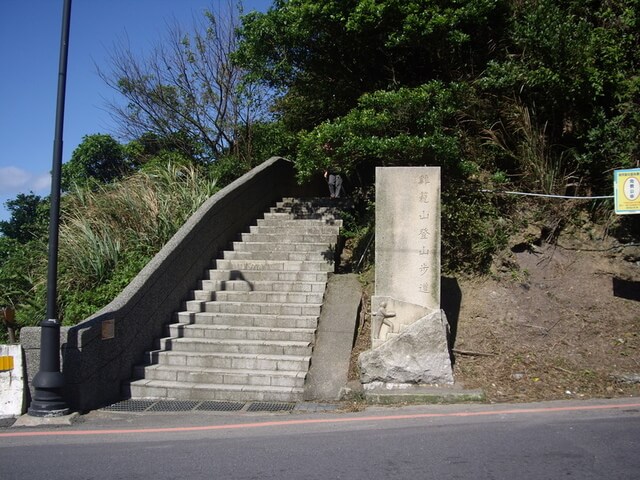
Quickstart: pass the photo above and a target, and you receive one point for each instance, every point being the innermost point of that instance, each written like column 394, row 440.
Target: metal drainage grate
column 130, row 406
column 220, row 406
column 173, row 406
column 270, row 407
column 134, row 405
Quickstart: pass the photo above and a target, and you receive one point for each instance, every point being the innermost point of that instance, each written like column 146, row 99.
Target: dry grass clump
column 140, row 214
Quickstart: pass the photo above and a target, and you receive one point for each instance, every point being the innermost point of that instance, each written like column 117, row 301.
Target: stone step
column 313, row 205
column 328, row 239
column 229, row 360
column 227, row 332
column 274, row 265
column 282, row 247
column 279, row 208
column 256, row 296
column 315, row 210
column 310, row 204
column 158, row 389
column 194, row 306
column 287, row 221
column 263, row 308
column 175, row 373
column 248, row 320
column 201, row 304
column 287, row 230
column 249, row 276
column 262, row 286
column 298, row 216
column 257, row 347
column 324, row 256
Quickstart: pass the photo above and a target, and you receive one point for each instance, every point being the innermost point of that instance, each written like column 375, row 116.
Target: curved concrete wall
column 94, row 366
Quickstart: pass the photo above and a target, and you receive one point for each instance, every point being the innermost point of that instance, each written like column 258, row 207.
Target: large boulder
column 419, row 354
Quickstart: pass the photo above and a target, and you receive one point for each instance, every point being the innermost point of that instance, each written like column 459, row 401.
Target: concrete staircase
column 249, row 330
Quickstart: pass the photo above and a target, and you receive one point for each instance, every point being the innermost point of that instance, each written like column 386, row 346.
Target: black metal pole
column 48, row 382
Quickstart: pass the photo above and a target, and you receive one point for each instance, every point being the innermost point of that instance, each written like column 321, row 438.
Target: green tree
column 413, row 126
column 99, row 158
column 188, row 89
column 22, row 274
column 255, row 145
column 323, row 55
column 575, row 64
column 23, row 254
column 29, row 218
column 408, row 126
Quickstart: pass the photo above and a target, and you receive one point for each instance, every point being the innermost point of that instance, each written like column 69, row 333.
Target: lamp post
column 48, row 382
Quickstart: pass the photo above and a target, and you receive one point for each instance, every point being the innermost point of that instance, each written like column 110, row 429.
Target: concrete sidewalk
column 334, row 339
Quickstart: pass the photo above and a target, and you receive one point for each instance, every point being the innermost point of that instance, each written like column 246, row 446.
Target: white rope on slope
column 548, row 196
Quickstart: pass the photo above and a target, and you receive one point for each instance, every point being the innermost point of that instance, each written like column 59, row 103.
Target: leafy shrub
column 473, row 228
column 22, row 277
column 412, row 127
column 98, row 159
column 78, row 304
column 109, row 233
column 409, row 126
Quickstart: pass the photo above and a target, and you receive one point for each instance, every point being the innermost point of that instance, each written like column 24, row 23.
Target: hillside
column 554, row 321
column 559, row 321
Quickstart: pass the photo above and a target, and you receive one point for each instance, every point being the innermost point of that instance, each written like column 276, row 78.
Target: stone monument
column 409, row 331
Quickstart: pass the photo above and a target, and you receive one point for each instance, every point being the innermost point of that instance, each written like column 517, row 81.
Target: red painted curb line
column 237, row 426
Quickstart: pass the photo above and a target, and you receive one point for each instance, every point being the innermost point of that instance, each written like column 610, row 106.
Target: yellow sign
column 626, row 188
column 6, row 363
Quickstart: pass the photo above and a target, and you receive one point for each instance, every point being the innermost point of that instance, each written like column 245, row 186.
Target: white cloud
column 15, row 180
column 12, row 178
column 42, row 183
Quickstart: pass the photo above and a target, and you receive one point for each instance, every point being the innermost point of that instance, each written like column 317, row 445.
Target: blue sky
column 29, row 48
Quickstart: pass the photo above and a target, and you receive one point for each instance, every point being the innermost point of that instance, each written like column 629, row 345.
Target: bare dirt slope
column 556, row 321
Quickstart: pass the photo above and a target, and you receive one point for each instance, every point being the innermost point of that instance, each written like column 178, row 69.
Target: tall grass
column 102, row 226
column 542, row 167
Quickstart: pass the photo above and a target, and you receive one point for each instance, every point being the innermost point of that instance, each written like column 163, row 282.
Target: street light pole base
column 47, row 411
column 52, row 407
column 47, row 397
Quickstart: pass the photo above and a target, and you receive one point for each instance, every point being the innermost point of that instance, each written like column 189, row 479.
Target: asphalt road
column 587, row 440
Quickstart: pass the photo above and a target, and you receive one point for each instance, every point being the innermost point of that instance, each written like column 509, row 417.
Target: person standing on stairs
column 334, row 180
column 331, row 175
